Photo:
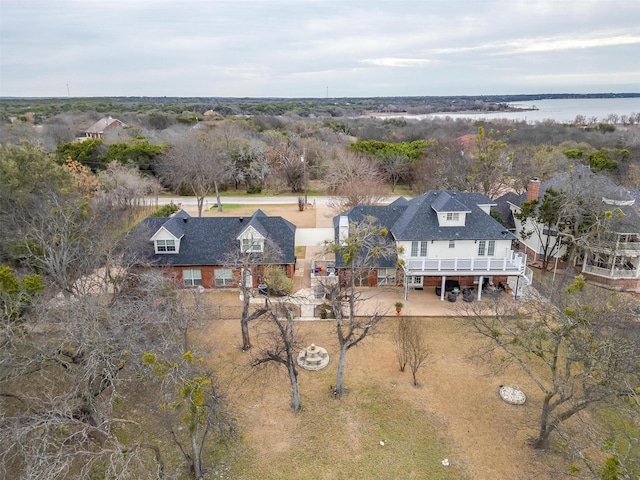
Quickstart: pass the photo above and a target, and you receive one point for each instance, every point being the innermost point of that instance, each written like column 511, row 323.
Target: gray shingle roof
column 504, row 209
column 444, row 202
column 213, row 240
column 416, row 219
column 582, row 181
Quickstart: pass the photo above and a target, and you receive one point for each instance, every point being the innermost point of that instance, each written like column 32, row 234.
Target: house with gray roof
column 610, row 259
column 207, row 251
column 445, row 237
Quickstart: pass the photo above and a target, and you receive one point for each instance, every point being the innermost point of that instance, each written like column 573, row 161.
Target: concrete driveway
column 313, row 237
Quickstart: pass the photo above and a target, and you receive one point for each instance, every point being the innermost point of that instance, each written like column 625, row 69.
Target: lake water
column 560, row 110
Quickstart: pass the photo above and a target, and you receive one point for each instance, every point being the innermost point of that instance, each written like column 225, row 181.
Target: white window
column 418, row 249
column 486, row 248
column 252, row 245
column 165, row 245
column 451, row 216
column 452, row 244
column 386, row 276
column 482, row 245
column 192, row 277
column 223, row 277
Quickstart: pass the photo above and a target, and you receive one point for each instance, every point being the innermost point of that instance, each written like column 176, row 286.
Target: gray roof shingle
column 416, row 219
column 214, row 240
column 582, row 181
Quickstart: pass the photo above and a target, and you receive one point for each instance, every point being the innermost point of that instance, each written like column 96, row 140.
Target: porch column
column 406, row 285
column 442, row 292
column 480, row 281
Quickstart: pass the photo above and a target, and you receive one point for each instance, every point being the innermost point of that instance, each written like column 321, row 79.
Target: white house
column 446, row 238
column 611, row 262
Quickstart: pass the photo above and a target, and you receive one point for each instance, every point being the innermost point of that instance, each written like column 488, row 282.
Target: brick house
column 206, row 251
column 98, row 129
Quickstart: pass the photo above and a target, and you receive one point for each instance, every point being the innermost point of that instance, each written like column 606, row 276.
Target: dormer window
column 453, row 216
column 165, row 246
column 252, row 245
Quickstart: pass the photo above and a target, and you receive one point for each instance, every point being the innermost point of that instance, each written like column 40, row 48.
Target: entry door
column 248, row 278
column 415, row 281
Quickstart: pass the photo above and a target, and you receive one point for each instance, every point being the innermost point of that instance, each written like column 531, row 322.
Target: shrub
column 165, row 210
column 278, row 284
column 254, row 188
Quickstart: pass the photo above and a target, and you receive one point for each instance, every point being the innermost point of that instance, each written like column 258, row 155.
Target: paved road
column 247, row 200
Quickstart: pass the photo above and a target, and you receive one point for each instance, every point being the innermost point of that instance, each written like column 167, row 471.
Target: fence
column 234, row 312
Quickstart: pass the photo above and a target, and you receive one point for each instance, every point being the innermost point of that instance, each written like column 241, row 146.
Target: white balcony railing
column 513, row 264
column 608, row 272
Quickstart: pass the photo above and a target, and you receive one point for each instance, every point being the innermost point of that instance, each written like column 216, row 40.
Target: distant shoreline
column 449, row 112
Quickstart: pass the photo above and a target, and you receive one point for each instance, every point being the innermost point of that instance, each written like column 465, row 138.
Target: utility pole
column 304, row 178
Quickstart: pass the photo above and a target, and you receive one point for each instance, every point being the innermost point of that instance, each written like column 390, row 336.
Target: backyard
column 455, row 413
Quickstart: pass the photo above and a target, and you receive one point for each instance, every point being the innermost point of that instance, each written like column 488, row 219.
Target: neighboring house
column 98, row 129
column 207, row 251
column 613, row 261
column 444, row 235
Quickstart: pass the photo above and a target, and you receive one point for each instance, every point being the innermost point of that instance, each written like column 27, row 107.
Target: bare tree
column 366, row 244
column 287, row 160
column 347, row 168
column 71, row 383
column 395, row 168
column 281, row 346
column 199, row 163
column 491, row 163
column 61, row 380
column 67, row 239
column 401, row 342
column 444, row 165
column 410, row 345
column 417, row 352
column 125, row 186
column 251, row 163
column 570, row 350
column 353, row 179
column 252, row 262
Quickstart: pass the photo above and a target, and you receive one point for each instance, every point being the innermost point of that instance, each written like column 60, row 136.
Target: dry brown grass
column 455, row 413
column 304, row 219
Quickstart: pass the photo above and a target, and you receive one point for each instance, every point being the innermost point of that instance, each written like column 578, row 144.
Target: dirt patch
column 304, row 219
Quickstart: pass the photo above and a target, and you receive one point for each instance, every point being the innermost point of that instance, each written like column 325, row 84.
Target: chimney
column 533, row 189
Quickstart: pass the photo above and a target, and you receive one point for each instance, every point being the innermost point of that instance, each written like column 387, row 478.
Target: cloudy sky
column 317, row 48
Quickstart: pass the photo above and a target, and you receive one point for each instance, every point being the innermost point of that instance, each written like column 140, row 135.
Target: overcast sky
column 317, row 48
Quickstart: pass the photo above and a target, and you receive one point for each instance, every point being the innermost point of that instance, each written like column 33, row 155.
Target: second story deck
column 514, row 263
